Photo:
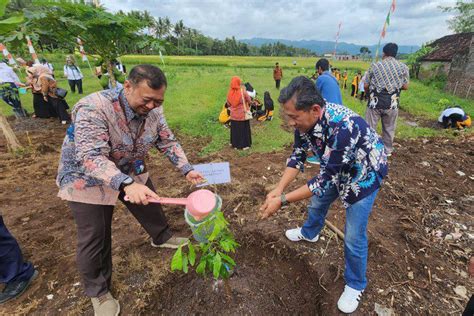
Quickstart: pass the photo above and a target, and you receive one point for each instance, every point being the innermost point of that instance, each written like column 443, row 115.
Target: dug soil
column 420, row 236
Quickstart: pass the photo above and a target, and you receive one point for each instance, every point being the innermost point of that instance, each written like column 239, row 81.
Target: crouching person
column 353, row 164
column 103, row 160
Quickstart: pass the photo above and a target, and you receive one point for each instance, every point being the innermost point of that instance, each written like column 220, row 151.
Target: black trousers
column 60, row 106
column 12, row 266
column 450, row 121
column 74, row 83
column 277, row 83
column 94, row 238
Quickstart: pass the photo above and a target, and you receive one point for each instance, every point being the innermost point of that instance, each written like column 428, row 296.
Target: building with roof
column 453, row 56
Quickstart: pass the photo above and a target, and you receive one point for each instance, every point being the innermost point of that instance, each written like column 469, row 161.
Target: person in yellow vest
column 355, row 84
column 337, row 74
column 344, row 79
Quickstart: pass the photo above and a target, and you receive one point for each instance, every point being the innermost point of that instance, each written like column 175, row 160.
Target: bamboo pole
column 335, row 229
column 9, row 134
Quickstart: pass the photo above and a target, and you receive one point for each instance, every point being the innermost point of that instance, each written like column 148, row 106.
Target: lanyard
column 141, row 128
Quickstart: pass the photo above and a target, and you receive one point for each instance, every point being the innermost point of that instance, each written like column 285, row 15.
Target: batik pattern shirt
column 352, row 155
column 98, row 148
column 385, row 79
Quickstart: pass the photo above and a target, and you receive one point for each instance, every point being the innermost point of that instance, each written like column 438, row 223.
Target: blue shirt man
column 353, row 165
column 326, row 83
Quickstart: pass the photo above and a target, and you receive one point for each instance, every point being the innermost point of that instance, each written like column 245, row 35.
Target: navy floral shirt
column 351, row 153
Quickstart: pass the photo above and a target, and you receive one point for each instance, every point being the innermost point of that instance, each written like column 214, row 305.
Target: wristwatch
column 283, row 200
column 125, row 183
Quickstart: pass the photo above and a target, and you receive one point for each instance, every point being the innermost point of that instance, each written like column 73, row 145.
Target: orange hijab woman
column 238, row 100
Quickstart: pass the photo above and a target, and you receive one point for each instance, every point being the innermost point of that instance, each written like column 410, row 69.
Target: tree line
column 146, row 34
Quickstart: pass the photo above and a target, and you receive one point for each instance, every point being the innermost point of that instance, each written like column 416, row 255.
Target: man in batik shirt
column 385, row 79
column 353, row 164
column 103, row 160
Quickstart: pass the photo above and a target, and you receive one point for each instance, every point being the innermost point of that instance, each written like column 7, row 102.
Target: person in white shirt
column 454, row 117
column 73, row 75
column 9, row 83
column 50, row 66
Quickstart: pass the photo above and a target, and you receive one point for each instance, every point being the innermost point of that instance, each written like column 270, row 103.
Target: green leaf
column 192, row 254
column 177, row 260
column 185, row 263
column 201, row 268
column 227, row 259
column 217, row 266
column 3, row 5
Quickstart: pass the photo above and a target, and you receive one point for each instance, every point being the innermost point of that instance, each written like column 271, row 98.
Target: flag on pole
column 81, row 50
column 337, row 39
column 7, row 54
column 32, row 50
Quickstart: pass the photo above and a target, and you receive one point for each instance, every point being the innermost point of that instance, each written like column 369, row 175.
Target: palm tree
column 178, row 31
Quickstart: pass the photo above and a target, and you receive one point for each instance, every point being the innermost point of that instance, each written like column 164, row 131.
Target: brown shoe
column 105, row 305
column 172, row 243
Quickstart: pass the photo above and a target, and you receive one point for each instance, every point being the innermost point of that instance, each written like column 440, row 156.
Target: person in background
column 73, row 75
column 363, row 96
column 267, row 114
column 454, row 117
column 9, row 84
column 120, row 67
column 385, row 80
column 48, row 65
column 277, row 75
column 344, row 79
column 41, row 82
column 353, row 165
column 239, row 103
column 327, row 83
column 15, row 273
column 355, row 84
column 50, row 105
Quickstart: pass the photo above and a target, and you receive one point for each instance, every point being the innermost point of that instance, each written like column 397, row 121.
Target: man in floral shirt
column 353, row 164
column 103, row 159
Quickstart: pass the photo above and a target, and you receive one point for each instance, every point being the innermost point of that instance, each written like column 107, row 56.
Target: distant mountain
column 324, row 47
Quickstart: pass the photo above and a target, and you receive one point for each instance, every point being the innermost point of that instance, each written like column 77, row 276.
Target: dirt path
column 419, row 236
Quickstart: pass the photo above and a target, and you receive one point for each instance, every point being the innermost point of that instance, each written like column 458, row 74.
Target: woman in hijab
column 40, row 80
column 45, row 101
column 238, row 101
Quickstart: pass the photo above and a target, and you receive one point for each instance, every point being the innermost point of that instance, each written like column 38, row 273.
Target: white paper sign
column 215, row 173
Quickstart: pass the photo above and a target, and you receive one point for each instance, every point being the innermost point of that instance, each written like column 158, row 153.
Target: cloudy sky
column 413, row 22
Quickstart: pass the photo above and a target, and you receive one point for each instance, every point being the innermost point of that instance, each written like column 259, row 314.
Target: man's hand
column 139, row 193
column 195, row 177
column 274, row 193
column 271, row 205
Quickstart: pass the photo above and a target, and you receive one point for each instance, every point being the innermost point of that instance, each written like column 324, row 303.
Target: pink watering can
column 199, row 203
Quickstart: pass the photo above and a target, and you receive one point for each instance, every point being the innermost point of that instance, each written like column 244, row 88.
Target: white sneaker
column 349, row 300
column 296, row 235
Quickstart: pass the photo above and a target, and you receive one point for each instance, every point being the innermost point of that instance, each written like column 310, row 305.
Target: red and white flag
column 32, row 50
column 7, row 54
column 81, row 50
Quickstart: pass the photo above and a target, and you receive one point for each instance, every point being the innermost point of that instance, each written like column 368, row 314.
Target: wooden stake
column 9, row 134
column 335, row 229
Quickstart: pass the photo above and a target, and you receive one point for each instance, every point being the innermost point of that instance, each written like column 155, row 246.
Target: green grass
column 197, row 88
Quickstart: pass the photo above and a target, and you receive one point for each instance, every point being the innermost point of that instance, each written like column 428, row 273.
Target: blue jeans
column 355, row 241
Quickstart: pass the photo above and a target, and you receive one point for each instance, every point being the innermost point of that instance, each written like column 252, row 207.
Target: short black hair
column 390, row 49
column 323, row 63
column 305, row 91
column 276, row 64
column 153, row 75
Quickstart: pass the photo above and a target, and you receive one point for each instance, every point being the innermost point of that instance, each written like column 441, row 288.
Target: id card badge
column 138, row 167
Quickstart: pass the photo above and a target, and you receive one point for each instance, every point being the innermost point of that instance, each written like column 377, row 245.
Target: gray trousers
column 94, row 238
column 389, row 123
